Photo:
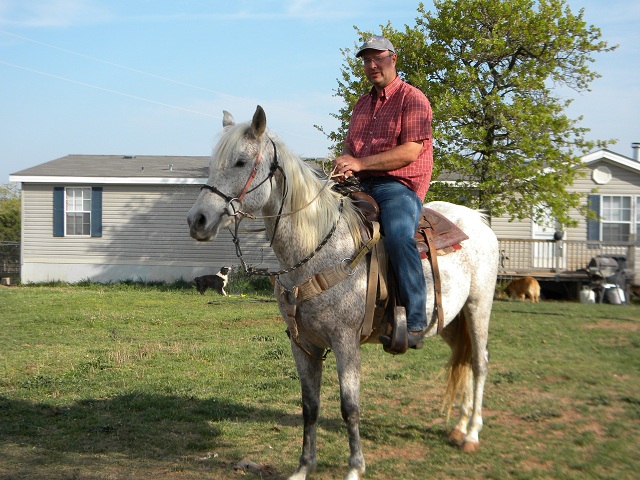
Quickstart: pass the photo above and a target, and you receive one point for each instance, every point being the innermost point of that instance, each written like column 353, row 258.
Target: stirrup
column 398, row 342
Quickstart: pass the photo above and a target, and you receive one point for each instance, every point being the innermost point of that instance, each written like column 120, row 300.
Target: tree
column 489, row 68
column 9, row 213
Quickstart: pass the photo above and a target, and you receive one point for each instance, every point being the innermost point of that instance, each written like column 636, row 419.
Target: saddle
column 445, row 234
column 436, row 235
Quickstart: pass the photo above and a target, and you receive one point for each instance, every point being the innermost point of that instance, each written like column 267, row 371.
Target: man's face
column 379, row 66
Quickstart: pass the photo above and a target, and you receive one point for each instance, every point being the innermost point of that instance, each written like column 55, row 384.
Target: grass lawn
column 145, row 382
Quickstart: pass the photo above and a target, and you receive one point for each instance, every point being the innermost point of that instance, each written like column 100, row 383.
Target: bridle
column 230, row 209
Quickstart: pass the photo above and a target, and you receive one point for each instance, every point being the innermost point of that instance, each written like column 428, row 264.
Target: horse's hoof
column 300, row 474
column 456, row 437
column 470, row 446
column 354, row 474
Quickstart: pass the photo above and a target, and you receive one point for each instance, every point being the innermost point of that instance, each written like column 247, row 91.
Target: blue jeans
column 400, row 211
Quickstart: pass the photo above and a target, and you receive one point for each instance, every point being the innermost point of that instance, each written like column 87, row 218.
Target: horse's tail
column 459, row 364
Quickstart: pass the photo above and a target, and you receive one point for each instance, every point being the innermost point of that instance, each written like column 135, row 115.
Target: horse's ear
column 259, row 122
column 227, row 119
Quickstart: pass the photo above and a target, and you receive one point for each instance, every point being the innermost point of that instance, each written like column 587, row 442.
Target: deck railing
column 529, row 256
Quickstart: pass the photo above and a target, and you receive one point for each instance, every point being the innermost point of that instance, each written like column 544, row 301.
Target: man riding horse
column 389, row 147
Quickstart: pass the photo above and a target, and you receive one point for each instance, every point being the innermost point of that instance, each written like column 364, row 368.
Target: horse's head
column 241, row 164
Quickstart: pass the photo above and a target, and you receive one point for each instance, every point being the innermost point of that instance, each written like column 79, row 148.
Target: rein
column 266, row 273
column 313, row 285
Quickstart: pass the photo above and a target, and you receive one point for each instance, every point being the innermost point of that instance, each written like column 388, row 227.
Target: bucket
column 587, row 296
column 614, row 295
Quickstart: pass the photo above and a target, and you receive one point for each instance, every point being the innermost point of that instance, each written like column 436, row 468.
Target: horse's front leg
column 310, row 373
column 348, row 364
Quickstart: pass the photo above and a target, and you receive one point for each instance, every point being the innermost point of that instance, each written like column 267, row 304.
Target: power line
column 97, row 87
column 117, row 65
column 124, row 67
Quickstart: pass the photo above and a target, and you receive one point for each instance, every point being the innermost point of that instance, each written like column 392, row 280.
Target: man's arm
column 392, row 159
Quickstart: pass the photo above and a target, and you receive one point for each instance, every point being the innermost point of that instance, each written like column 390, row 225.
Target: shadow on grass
column 145, row 426
column 161, row 429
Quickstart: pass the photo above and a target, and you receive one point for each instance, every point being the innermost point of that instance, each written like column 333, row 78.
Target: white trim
column 608, row 156
column 107, row 180
column 602, row 154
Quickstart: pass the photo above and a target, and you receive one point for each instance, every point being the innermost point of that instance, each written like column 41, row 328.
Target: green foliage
column 489, row 68
column 242, row 283
column 239, row 284
column 9, row 213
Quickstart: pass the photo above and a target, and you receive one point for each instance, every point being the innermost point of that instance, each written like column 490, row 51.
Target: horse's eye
column 241, row 163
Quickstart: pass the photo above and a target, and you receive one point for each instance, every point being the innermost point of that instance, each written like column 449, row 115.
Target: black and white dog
column 216, row 282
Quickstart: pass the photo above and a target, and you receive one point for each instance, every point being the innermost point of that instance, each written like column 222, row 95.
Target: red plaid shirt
column 402, row 114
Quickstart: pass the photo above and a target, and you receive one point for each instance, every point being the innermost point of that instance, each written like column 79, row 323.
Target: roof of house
column 118, row 169
column 122, row 169
column 166, row 169
column 611, row 157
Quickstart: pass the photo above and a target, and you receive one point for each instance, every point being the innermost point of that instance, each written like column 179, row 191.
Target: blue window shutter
column 58, row 211
column 593, row 226
column 96, row 211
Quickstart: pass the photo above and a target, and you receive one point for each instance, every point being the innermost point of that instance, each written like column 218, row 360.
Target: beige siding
column 623, row 182
column 145, row 235
column 142, row 226
column 517, row 229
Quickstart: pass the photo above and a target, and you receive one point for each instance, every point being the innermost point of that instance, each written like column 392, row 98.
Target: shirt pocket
column 387, row 128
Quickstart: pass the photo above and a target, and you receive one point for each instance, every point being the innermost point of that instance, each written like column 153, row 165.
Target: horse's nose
column 197, row 222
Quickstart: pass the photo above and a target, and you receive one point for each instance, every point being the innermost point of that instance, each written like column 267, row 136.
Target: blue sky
column 151, row 77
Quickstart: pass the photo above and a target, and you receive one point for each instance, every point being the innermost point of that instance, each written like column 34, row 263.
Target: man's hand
column 345, row 166
column 397, row 157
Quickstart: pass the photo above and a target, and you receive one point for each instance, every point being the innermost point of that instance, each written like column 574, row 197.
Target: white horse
column 252, row 172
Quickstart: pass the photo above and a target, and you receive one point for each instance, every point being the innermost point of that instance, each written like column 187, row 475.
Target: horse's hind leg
column 470, row 334
column 310, row 373
column 460, row 378
column 478, row 315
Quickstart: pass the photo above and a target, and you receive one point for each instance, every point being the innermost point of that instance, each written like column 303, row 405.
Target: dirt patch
column 627, row 325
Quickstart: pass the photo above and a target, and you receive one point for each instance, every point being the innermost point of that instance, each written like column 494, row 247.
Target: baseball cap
column 376, row 42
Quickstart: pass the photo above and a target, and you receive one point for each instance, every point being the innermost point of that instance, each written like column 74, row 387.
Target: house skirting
column 111, row 273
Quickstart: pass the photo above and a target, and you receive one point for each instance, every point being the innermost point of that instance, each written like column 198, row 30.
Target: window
column 637, row 218
column 77, row 211
column 616, row 221
column 616, row 218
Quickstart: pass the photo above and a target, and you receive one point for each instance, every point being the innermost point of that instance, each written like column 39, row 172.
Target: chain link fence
column 9, row 262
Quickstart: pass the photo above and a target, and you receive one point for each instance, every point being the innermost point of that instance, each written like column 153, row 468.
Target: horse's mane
column 314, row 204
